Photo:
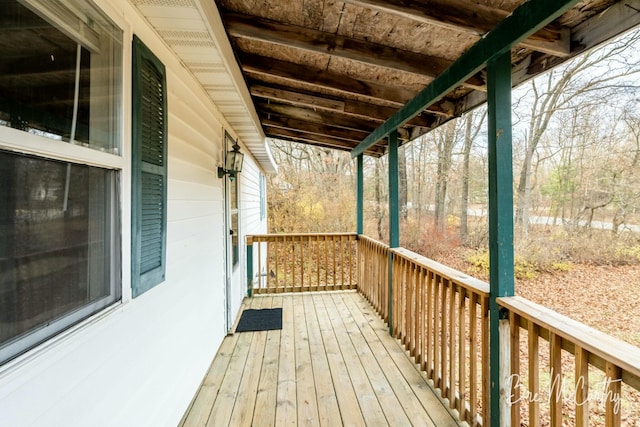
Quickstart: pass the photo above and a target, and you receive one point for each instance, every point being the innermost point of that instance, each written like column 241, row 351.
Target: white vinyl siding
column 139, row 363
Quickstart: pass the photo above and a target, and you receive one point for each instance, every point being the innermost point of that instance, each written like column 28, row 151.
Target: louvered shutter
column 149, row 179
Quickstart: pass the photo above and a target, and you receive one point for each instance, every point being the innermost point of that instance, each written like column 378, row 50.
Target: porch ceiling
column 324, row 72
column 329, row 72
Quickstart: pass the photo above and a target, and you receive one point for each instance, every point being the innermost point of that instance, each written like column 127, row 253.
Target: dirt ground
column 606, row 298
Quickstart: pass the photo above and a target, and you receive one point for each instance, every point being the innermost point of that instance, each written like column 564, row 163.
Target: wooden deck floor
column 333, row 363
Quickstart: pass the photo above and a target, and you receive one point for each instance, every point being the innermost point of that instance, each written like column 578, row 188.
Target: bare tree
column 472, row 123
column 445, row 142
column 567, row 87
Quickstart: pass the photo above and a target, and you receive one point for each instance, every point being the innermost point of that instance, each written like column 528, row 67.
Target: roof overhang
column 193, row 30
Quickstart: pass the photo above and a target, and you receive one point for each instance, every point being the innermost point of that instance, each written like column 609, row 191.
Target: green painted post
column 394, row 203
column 500, row 225
column 360, row 195
column 394, row 214
column 250, row 267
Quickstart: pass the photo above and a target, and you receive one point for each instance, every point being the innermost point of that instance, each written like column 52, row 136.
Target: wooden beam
column 525, row 20
column 259, row 66
column 347, row 106
column 253, row 28
column 318, row 117
column 323, row 117
column 353, row 137
column 318, row 140
column 471, row 18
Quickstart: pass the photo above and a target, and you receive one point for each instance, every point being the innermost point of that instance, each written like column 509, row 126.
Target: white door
column 232, row 241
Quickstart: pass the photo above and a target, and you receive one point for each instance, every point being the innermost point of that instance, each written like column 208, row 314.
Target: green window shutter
column 149, row 171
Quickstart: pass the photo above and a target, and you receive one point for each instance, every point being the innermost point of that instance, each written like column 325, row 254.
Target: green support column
column 394, row 214
column 500, row 229
column 360, row 195
column 250, row 267
column 394, row 209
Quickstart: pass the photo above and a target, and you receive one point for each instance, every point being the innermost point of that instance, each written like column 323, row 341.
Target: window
column 59, row 223
column 60, row 68
column 149, row 179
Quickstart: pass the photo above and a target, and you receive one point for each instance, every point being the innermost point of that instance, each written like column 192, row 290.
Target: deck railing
column 441, row 316
column 373, row 274
column 302, row 262
column 594, row 393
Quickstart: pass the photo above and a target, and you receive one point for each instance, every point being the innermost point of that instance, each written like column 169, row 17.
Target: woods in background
column 576, row 153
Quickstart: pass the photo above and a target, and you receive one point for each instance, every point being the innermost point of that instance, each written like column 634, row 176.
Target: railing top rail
column 301, row 234
column 622, row 354
column 458, row 277
column 372, row 241
column 251, row 238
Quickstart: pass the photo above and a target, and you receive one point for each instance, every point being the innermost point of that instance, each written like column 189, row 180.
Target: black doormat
column 265, row 319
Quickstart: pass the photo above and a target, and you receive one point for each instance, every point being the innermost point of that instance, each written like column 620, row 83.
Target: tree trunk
column 402, row 182
column 446, row 142
column 471, row 131
column 378, row 196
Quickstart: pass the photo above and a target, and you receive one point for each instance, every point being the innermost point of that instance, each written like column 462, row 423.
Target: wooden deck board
column 369, row 404
column 306, row 397
column 333, row 363
column 265, row 410
column 328, row 409
column 346, row 396
column 407, row 399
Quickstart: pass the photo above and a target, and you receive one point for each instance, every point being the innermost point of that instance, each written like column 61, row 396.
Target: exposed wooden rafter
column 249, row 27
column 259, row 67
column 472, row 18
column 319, row 140
column 347, row 106
column 314, row 128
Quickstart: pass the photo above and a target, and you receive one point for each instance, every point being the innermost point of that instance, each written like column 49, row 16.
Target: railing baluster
column 443, row 338
column 437, row 318
column 534, row 373
column 341, row 264
column 462, row 355
column 430, row 330
column 514, row 324
column 556, row 379
column 473, row 358
column 612, row 396
column 406, row 295
column 419, row 313
column 293, row 262
column 268, row 257
column 582, row 387
column 326, row 263
column 279, row 253
column 259, row 265
column 486, row 377
column 317, row 251
column 452, row 345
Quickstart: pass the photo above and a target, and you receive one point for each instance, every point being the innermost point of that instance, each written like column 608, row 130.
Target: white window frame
column 22, row 142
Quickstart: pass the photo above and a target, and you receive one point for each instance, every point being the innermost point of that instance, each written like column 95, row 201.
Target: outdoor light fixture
column 233, row 160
